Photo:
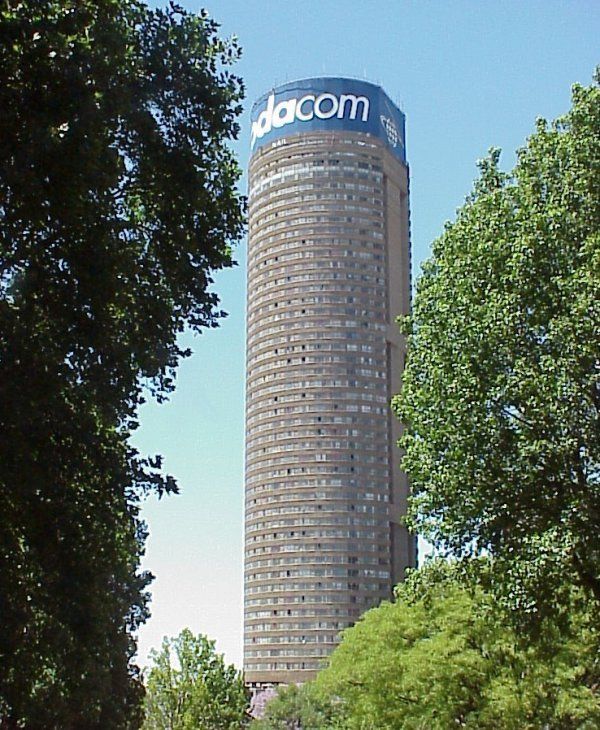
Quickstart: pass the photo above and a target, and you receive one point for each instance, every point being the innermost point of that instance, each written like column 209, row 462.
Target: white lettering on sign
column 305, row 108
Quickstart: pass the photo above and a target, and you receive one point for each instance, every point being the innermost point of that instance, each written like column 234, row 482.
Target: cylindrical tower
column 328, row 273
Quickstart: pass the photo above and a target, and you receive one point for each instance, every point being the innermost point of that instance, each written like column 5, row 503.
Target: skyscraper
column 328, row 273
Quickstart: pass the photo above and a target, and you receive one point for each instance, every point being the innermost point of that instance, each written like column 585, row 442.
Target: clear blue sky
column 468, row 75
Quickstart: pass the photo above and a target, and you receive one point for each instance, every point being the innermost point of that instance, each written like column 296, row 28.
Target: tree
column 300, row 708
column 117, row 201
column 200, row 692
column 501, row 391
column 442, row 656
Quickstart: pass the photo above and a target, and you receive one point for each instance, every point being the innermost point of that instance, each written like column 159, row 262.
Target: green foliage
column 196, row 692
column 117, row 201
column 297, row 707
column 441, row 656
column 501, row 389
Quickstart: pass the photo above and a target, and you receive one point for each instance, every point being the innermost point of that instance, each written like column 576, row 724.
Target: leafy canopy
column 117, row 202
column 295, row 707
column 501, row 391
column 190, row 687
column 442, row 656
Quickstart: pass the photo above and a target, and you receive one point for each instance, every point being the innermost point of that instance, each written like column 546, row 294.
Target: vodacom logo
column 306, row 108
column 391, row 130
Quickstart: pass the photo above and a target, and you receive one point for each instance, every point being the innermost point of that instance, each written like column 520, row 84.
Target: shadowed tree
column 117, row 201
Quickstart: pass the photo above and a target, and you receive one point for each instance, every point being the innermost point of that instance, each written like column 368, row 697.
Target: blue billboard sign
column 328, row 104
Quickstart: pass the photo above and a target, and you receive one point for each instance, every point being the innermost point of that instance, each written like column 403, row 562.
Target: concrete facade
column 328, row 273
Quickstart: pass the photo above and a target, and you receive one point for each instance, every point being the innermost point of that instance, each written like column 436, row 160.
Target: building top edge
column 328, row 103
column 310, row 82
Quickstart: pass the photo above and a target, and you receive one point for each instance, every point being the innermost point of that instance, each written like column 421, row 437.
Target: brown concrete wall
column 328, row 272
